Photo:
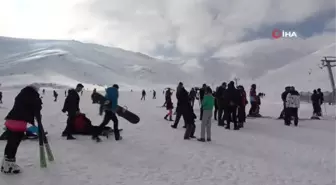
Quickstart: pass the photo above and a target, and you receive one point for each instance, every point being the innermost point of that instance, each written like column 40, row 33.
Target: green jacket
column 208, row 102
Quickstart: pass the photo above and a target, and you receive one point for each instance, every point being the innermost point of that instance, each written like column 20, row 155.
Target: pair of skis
column 43, row 143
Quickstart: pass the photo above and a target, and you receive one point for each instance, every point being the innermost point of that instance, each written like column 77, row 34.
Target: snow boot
column 173, row 126
column 96, row 138
column 9, row 166
column 70, row 137
column 209, row 139
column 201, row 140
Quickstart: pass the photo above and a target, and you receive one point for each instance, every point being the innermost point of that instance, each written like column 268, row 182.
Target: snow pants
column 206, row 124
column 13, row 141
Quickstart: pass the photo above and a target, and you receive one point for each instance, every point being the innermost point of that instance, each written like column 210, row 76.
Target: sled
column 121, row 111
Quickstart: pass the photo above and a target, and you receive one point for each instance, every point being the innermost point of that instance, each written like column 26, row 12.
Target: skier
column 321, row 100
column 55, row 95
column 231, row 101
column 222, row 108
column 143, row 95
column 71, row 105
column 154, row 94
column 292, row 106
column 110, row 107
column 208, row 105
column 202, row 92
column 169, row 106
column 253, row 100
column 241, row 106
column 180, row 105
column 27, row 107
column 283, row 97
column 315, row 98
column 192, row 96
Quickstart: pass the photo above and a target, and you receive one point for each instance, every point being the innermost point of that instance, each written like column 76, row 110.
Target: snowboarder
column 169, row 106
column 71, row 105
column 143, row 95
column 154, row 94
column 241, row 106
column 27, row 107
column 110, row 108
column 55, row 95
column 222, row 109
column 231, row 101
column 292, row 106
column 208, row 105
column 180, row 104
column 283, row 97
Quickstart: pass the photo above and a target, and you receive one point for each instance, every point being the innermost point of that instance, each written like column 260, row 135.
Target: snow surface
column 265, row 152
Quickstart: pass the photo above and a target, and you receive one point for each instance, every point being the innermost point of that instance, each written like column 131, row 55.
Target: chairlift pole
column 327, row 62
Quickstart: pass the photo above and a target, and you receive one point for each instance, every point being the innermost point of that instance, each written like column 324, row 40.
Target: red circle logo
column 276, row 33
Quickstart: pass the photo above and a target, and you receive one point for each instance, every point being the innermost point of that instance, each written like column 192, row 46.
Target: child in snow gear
column 292, row 107
column 208, row 105
column 110, row 108
column 71, row 105
column 55, row 95
column 169, row 106
column 143, row 95
column 27, row 107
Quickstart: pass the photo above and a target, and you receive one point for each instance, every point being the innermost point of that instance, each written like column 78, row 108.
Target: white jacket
column 292, row 101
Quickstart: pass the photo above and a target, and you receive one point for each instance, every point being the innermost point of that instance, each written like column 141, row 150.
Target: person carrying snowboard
column 55, row 96
column 71, row 105
column 27, row 107
column 208, row 105
column 110, row 108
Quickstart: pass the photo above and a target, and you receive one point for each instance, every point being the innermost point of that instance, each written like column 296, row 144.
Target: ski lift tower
column 329, row 62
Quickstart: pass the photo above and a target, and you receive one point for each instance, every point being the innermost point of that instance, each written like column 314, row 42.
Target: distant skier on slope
column 27, row 107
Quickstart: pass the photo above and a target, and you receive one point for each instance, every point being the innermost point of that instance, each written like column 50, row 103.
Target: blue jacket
column 112, row 95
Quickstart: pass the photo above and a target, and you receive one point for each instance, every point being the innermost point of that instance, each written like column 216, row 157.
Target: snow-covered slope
column 265, row 152
column 68, row 62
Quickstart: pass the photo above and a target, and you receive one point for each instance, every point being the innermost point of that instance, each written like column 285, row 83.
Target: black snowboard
column 121, row 111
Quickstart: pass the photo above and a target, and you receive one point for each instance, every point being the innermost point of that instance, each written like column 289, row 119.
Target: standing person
column 179, row 108
column 202, row 92
column 241, row 106
column 222, row 108
column 192, row 97
column 253, row 100
column 189, row 118
column 169, row 106
column 154, row 94
column 292, row 107
column 216, row 103
column 208, row 105
column 43, row 91
column 55, row 95
column 283, row 98
column 110, row 108
column 232, row 102
column 183, row 106
column 71, row 105
column 65, row 93
column 0, row 97
column 143, row 95
column 316, row 103
column 27, row 107
column 321, row 100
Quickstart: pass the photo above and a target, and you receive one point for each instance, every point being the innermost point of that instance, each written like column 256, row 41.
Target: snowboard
column 121, row 111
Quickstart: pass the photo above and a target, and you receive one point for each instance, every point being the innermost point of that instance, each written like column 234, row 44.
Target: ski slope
column 265, row 152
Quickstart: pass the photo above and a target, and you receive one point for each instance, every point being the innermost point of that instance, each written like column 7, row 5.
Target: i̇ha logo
column 276, row 34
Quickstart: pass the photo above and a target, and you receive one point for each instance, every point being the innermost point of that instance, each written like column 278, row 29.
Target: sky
column 203, row 29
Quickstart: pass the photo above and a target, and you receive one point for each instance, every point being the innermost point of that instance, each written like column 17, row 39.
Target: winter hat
column 35, row 86
column 116, row 86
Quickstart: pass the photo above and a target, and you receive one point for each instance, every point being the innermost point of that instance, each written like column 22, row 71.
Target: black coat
column 232, row 96
column 183, row 98
column 27, row 106
column 169, row 103
column 71, row 103
column 315, row 98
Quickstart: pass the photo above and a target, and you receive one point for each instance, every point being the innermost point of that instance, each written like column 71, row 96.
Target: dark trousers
column 69, row 129
column 192, row 102
column 109, row 115
column 222, row 112
column 143, row 97
column 253, row 109
column 241, row 114
column 289, row 113
column 215, row 112
column 231, row 116
column 201, row 113
column 191, row 127
column 179, row 113
column 13, row 141
column 282, row 114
